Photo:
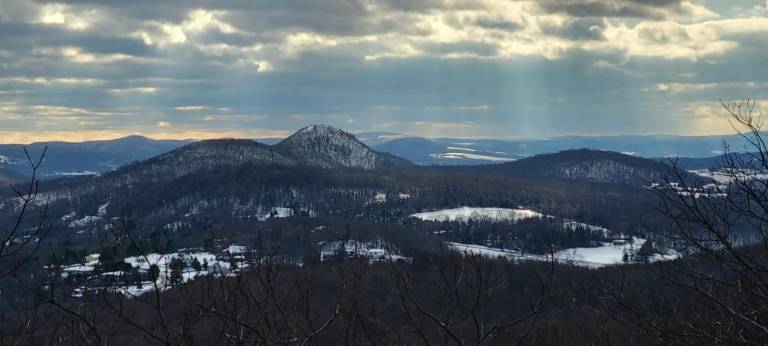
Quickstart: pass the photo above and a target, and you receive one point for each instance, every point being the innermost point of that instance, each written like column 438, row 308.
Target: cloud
column 60, row 14
column 191, row 108
column 13, row 137
column 51, row 81
column 648, row 9
column 494, row 67
column 140, row 90
column 699, row 87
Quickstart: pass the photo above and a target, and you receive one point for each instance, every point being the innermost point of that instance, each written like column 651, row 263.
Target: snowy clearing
column 468, row 156
column 211, row 264
column 487, row 214
column 725, row 176
column 465, row 214
column 589, row 257
column 462, row 149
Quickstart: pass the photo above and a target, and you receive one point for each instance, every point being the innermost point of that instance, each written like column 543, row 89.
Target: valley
column 214, row 211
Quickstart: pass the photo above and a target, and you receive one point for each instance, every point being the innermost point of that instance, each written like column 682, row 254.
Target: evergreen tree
column 154, row 272
column 177, row 271
column 196, row 265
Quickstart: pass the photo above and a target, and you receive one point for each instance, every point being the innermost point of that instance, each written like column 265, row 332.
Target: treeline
column 439, row 299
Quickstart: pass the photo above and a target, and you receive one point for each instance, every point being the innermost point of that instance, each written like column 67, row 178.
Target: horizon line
column 112, row 136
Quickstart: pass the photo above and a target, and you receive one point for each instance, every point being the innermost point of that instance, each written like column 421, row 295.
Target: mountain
column 321, row 172
column 427, row 152
column 328, row 147
column 8, row 177
column 415, row 149
column 715, row 162
column 95, row 157
column 203, row 155
column 313, row 146
column 375, row 138
column 92, row 157
column 458, row 151
column 320, row 178
column 588, row 165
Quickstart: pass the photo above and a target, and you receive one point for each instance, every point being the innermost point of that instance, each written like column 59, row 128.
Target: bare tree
column 718, row 293
column 469, row 288
column 20, row 242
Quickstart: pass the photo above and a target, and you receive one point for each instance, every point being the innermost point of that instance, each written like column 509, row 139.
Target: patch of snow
column 102, row 211
column 69, row 216
column 705, row 191
column 215, row 266
column 275, row 212
column 237, row 249
column 78, row 268
column 177, row 226
column 574, row 225
column 462, row 149
column 75, row 174
column 725, row 176
column 669, row 255
column 380, row 198
column 601, row 256
column 591, row 257
column 467, row 156
column 114, row 273
column 377, row 250
column 280, row 212
column 384, row 138
column 469, row 213
column 85, row 221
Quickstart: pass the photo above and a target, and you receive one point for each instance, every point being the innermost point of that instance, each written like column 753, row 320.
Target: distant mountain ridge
column 97, row 157
column 457, row 151
column 596, row 166
column 8, row 177
column 314, row 146
column 321, row 171
column 91, row 157
column 591, row 165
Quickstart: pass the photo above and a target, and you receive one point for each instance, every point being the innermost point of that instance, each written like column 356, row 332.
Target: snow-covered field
column 277, row 212
column 485, row 214
column 163, row 261
column 211, row 265
column 596, row 257
column 592, row 257
column 469, row 156
column 705, row 191
column 499, row 215
column 376, row 250
column 724, row 176
column 75, row 174
column 382, row 197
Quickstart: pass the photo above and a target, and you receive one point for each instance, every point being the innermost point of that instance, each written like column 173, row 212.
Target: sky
column 99, row 69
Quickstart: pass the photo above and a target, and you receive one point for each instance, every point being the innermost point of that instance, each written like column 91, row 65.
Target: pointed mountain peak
column 322, row 130
column 329, row 147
